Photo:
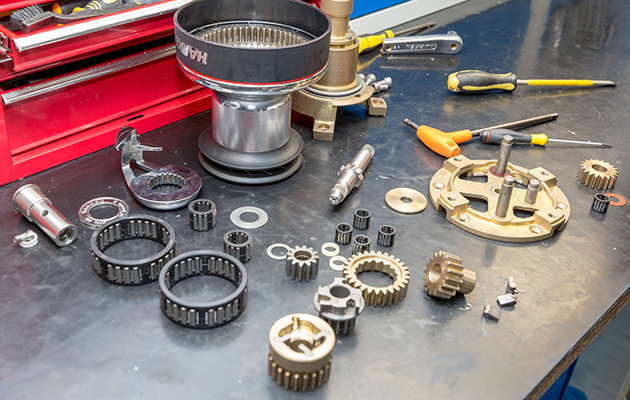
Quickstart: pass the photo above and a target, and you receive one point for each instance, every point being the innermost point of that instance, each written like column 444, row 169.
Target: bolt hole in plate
column 406, row 200
column 236, row 217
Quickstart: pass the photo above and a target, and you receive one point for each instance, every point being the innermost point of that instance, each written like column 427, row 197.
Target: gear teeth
column 597, row 174
column 381, row 262
column 450, row 278
column 302, row 263
column 341, row 327
column 297, row 381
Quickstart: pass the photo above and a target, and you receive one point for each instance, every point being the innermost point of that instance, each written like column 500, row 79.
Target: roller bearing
column 362, row 219
column 600, row 203
column 381, row 262
column 386, row 235
column 343, row 233
column 339, row 304
column 360, row 243
column 302, row 263
column 202, row 215
column 203, row 315
column 238, row 244
column 132, row 272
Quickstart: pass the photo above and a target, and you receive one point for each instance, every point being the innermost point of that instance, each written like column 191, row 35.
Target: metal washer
column 394, row 200
column 276, row 245
column 235, row 217
column 92, row 222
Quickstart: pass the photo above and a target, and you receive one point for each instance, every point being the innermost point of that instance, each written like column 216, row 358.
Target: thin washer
column 235, row 217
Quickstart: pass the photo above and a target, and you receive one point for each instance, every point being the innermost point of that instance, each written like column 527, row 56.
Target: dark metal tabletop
column 65, row 333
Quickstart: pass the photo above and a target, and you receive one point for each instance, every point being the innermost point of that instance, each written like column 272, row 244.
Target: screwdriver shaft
column 415, row 28
column 563, row 82
column 411, row 124
column 579, row 142
column 518, row 124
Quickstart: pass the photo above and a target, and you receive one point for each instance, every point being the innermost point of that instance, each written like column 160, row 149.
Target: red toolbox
column 66, row 90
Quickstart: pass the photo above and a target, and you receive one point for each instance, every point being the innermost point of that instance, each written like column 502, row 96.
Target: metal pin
column 504, row 155
column 370, row 79
column 504, row 196
column 532, row 191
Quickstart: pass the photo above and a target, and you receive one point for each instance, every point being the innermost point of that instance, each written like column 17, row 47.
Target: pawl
column 446, row 43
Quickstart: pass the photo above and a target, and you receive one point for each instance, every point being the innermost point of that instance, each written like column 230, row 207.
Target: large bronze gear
column 381, row 262
column 300, row 351
column 445, row 276
column 302, row 263
column 597, row 174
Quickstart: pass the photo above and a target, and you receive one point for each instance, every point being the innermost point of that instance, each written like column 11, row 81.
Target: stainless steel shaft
column 505, row 195
column 504, row 155
column 31, row 202
column 351, row 175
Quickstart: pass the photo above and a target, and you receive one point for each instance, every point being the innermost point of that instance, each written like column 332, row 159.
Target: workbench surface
column 65, row 333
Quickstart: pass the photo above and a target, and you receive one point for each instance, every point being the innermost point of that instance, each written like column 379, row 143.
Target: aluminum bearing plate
column 85, row 211
column 461, row 179
column 236, row 219
column 405, row 200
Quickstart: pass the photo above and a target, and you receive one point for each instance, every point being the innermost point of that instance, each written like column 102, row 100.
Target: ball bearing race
column 238, row 244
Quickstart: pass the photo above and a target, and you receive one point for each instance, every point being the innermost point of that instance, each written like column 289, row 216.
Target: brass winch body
column 340, row 85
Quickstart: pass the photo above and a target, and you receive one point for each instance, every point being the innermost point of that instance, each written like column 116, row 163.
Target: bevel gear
column 302, row 263
column 381, row 262
column 445, row 276
column 597, row 174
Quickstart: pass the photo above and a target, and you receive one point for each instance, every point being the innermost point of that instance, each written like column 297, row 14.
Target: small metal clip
column 491, row 312
column 507, row 299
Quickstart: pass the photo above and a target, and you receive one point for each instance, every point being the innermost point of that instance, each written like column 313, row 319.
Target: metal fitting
column 360, row 243
column 386, row 235
column 238, row 244
column 343, row 233
column 380, row 87
column 339, row 304
column 370, row 79
column 600, row 203
column 302, row 263
column 31, row 202
column 27, row 239
column 300, row 351
column 532, row 191
column 504, row 155
column 351, row 175
column 202, row 215
column 362, row 219
column 505, row 195
column 445, row 276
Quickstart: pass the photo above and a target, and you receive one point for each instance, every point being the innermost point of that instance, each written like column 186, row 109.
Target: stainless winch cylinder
column 253, row 55
column 31, row 202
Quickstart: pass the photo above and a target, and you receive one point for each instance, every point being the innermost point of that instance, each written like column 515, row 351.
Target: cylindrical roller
column 532, row 191
column 360, row 243
column 300, row 351
column 504, row 155
column 362, row 219
column 343, row 233
column 238, row 244
column 202, row 215
column 505, row 195
column 386, row 235
column 600, row 203
column 31, row 202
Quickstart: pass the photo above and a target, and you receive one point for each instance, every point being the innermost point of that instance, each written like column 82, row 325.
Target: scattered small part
column 406, row 201
column 467, row 307
column 302, row 263
column 27, row 239
column 343, row 233
column 238, row 244
column 445, row 276
column 382, row 86
column 382, row 262
column 330, row 249
column 600, row 203
column 507, row 299
column 360, row 243
column 619, row 200
column 334, row 263
column 339, row 304
column 300, row 351
column 85, row 211
column 445, row 43
column 491, row 312
column 376, row 106
column 236, row 219
column 362, row 219
column 370, row 79
column 511, row 286
column 597, row 174
column 29, row 201
column 351, row 175
column 386, row 235
column 276, row 245
column 203, row 315
column 202, row 215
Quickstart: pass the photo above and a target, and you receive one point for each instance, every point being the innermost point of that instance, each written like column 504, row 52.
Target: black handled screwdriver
column 495, row 136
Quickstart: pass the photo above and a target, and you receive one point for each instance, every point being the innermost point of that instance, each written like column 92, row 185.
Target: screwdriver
column 369, row 43
column 473, row 81
column 445, row 143
column 495, row 136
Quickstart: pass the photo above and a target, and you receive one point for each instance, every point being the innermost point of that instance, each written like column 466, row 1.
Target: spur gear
column 597, row 174
column 302, row 263
column 445, row 276
column 381, row 262
column 339, row 304
column 300, row 351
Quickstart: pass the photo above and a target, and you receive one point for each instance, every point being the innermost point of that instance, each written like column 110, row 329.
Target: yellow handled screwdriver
column 473, row 81
column 495, row 136
column 369, row 43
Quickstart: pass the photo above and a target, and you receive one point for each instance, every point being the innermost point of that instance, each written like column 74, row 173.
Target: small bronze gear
column 300, row 351
column 597, row 174
column 382, row 262
column 302, row 263
column 445, row 276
